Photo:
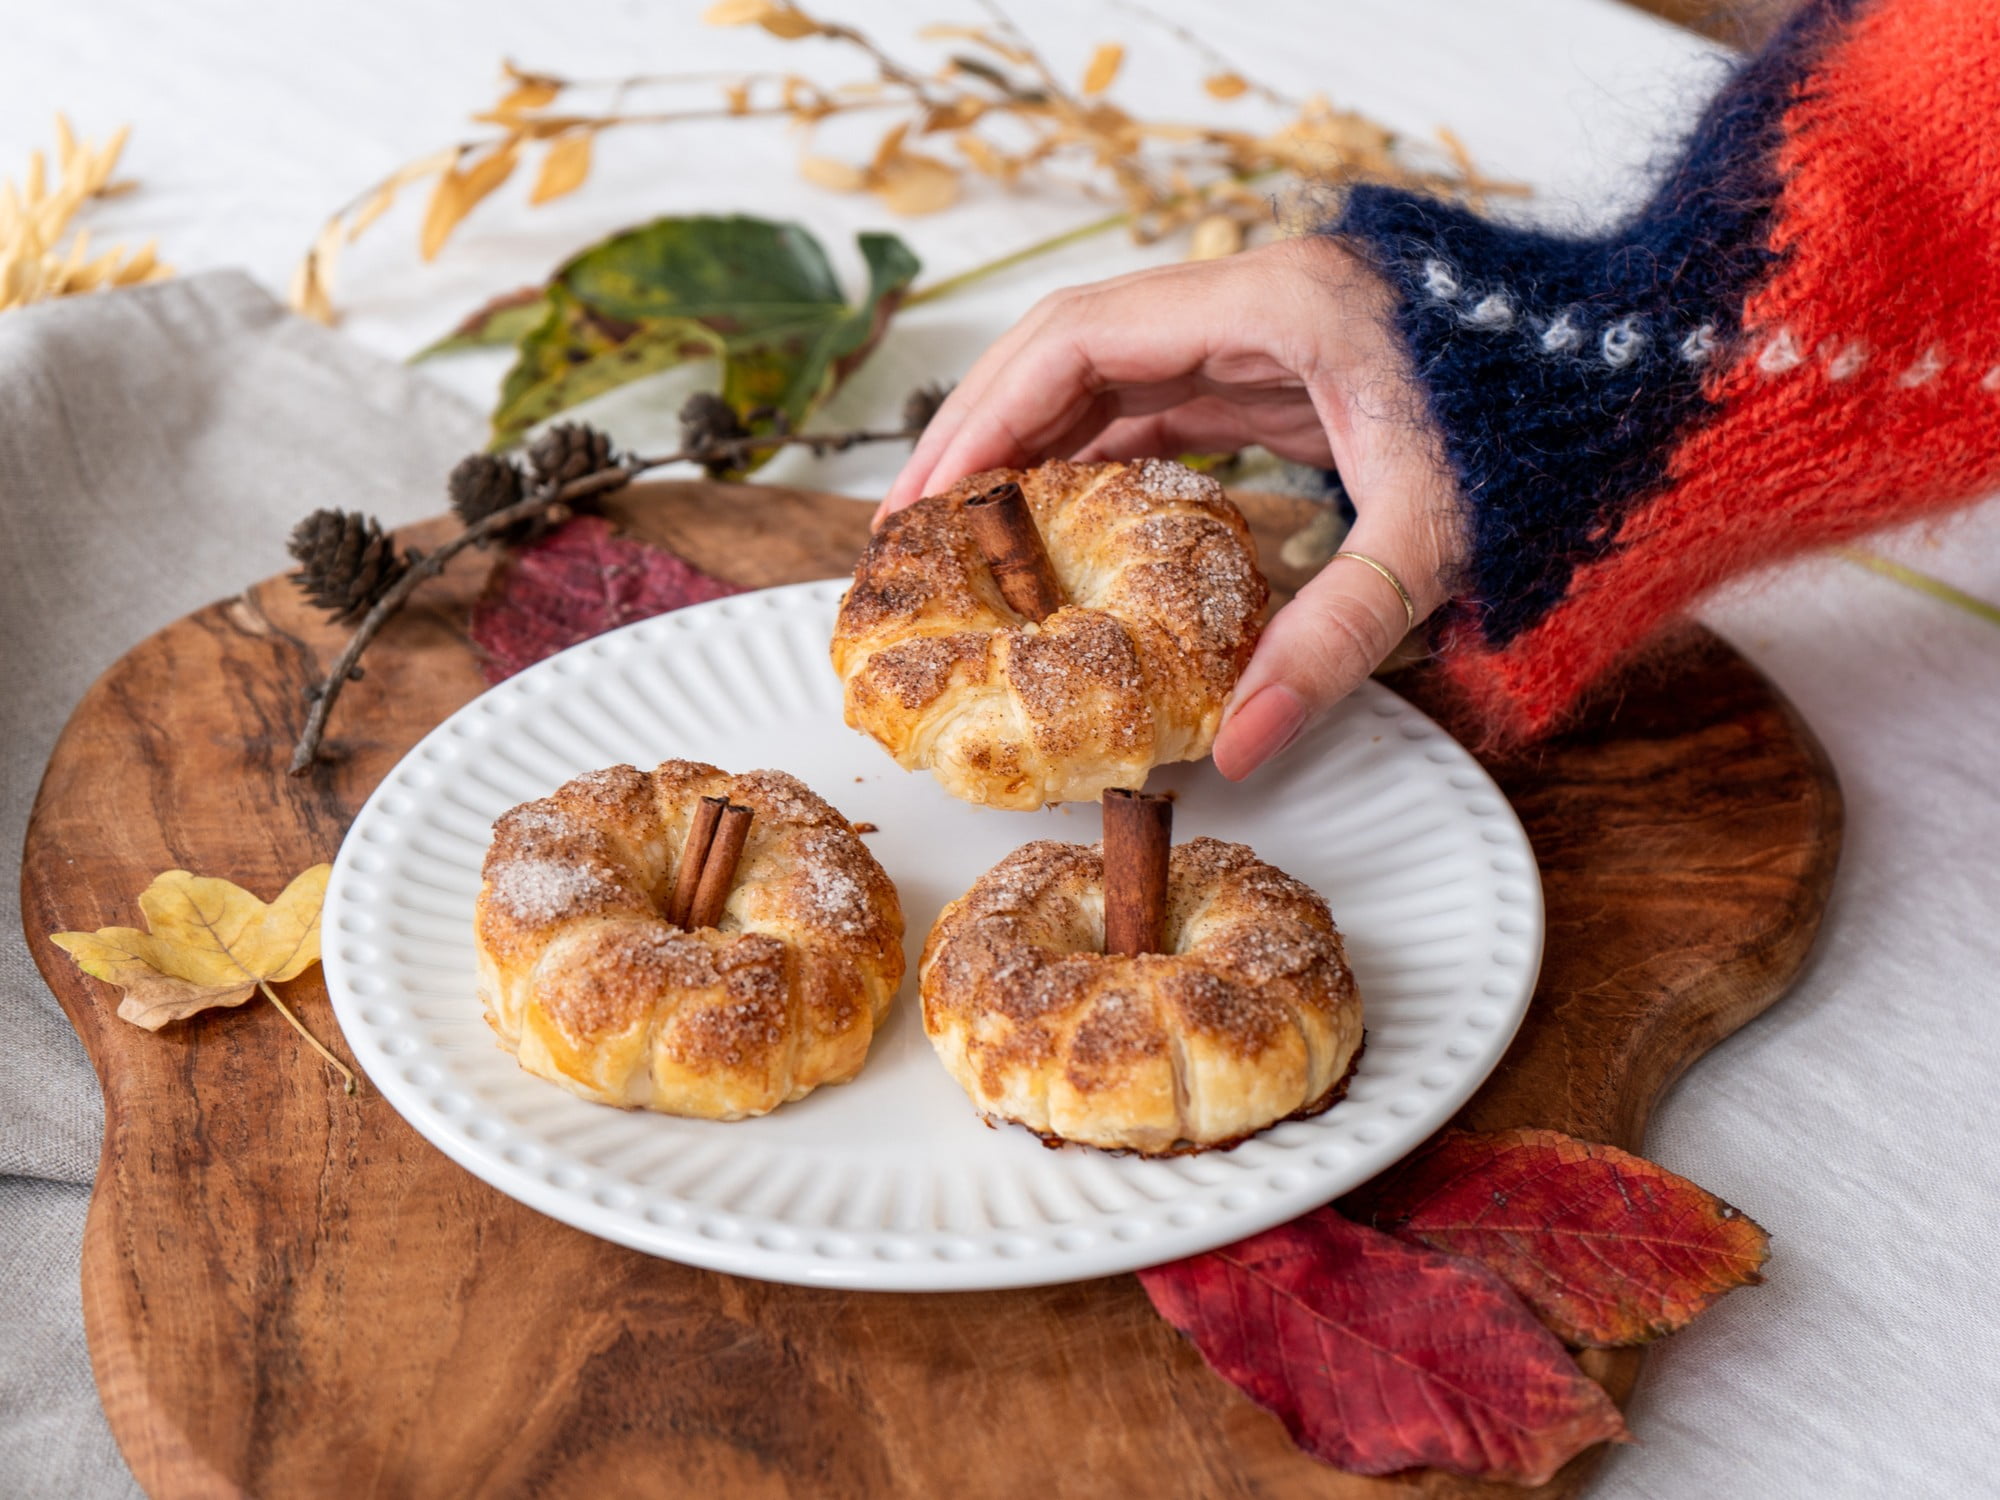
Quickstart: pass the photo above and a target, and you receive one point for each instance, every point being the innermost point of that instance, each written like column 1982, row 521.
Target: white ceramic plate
column 892, row 1181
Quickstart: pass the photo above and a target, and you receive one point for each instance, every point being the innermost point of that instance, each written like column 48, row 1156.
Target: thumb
column 1337, row 629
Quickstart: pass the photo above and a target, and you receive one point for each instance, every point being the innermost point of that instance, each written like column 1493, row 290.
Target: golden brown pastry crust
column 1166, row 604
column 1250, row 1017
column 590, row 987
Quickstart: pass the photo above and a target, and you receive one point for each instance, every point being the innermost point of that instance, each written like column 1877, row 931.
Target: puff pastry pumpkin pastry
column 1162, row 601
column 591, row 986
column 1248, row 1015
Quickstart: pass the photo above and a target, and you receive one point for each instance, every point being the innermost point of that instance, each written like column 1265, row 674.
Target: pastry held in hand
column 1249, row 1014
column 591, row 985
column 1160, row 602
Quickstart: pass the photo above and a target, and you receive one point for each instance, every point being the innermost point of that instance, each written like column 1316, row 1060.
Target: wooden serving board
column 287, row 1292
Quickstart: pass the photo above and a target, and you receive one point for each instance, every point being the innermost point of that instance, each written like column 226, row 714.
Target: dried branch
column 545, row 500
column 1167, row 174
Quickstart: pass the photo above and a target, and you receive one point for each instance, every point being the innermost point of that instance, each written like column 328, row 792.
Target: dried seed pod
column 346, row 562
column 569, row 451
column 480, row 485
column 709, row 422
column 922, row 404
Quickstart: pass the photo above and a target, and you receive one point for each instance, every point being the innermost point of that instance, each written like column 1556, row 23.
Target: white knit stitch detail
column 1781, row 354
column 1848, row 361
column 1439, row 281
column 1621, row 343
column 1928, row 364
column 1562, row 335
column 1699, row 345
column 1992, row 380
column 1494, row 310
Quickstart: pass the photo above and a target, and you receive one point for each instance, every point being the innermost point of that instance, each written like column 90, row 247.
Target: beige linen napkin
column 156, row 446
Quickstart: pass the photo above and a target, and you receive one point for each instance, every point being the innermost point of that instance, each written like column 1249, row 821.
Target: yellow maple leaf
column 209, row 942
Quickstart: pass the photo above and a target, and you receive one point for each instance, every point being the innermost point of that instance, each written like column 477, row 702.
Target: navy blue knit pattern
column 1562, row 370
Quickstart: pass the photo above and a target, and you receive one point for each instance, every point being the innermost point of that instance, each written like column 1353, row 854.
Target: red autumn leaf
column 1380, row 1355
column 1606, row 1247
column 577, row 582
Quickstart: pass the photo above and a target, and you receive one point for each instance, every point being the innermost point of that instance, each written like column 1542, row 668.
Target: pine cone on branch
column 346, row 563
column 708, row 422
column 922, row 404
column 481, row 485
column 569, row 451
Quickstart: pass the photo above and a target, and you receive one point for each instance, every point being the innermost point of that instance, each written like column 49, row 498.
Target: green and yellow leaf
column 758, row 296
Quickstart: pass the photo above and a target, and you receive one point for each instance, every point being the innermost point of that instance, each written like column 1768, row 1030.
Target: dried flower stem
column 1922, row 582
column 539, row 501
column 1041, row 247
column 1014, row 258
column 35, row 264
column 1167, row 174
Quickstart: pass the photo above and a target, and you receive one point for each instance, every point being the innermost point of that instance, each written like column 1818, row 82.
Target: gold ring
column 1409, row 604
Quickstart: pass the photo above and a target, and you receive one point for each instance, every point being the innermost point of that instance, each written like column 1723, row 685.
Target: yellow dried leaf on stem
column 1215, row 236
column 788, row 24
column 984, row 158
column 953, row 114
column 1103, row 68
column 891, row 145
column 529, row 91
column 834, row 175
column 527, row 96
column 912, row 184
column 372, row 208
column 737, row 12
column 308, row 295
column 208, row 943
column 460, row 190
column 1225, row 85
column 565, row 168
column 979, row 36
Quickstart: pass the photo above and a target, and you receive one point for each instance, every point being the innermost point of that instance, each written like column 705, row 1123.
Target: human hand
column 1290, row 346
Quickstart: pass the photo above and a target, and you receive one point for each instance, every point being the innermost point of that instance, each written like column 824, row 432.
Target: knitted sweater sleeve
column 1796, row 341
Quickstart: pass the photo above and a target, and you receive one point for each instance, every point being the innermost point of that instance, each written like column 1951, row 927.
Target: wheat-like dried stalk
column 1164, row 174
column 35, row 264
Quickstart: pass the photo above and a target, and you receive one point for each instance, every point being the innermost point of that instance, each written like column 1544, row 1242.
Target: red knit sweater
column 1798, row 342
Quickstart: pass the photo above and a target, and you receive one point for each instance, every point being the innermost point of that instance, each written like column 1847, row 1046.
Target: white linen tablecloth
column 1851, row 1120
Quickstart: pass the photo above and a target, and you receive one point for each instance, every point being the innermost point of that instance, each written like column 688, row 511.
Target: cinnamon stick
column 1138, row 836
column 1004, row 529
column 718, row 871
column 694, row 854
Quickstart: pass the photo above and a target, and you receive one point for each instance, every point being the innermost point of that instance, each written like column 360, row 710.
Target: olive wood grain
column 287, row 1292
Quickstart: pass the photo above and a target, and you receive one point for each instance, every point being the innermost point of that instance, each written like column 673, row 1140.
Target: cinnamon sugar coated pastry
column 591, row 987
column 1248, row 1016
column 1163, row 604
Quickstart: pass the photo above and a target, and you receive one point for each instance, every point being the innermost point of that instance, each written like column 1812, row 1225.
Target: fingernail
column 1267, row 722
